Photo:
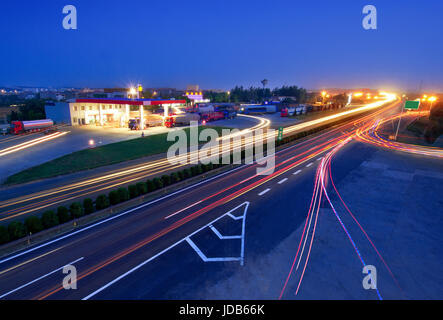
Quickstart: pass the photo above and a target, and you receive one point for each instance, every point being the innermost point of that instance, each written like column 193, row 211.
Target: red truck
column 212, row 116
column 18, row 127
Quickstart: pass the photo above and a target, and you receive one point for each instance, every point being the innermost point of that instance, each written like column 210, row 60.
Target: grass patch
column 97, row 157
column 418, row 126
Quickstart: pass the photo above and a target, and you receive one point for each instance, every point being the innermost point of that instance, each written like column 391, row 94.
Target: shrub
column 33, row 224
column 88, row 206
column 101, row 202
column 63, row 214
column 49, row 219
column 133, row 192
column 76, row 210
column 151, row 185
column 187, row 173
column 114, row 197
column 4, row 235
column 199, row 169
column 123, row 194
column 174, row 177
column 166, row 180
column 16, row 230
column 142, row 188
column 180, row 175
column 158, row 183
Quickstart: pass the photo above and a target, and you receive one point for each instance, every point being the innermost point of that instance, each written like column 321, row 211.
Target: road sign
column 412, row 105
column 280, row 133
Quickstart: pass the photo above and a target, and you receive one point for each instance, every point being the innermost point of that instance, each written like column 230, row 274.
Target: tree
column 174, row 177
column 16, row 230
column 158, row 183
column 436, row 113
column 49, row 219
column 123, row 194
column 88, row 206
column 142, row 188
column 151, row 185
column 187, row 173
column 33, row 224
column 76, row 210
column 114, row 197
column 63, row 214
column 133, row 191
column 101, row 202
column 166, row 180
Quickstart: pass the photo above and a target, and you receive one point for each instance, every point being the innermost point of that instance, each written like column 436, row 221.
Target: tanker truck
column 181, row 119
column 18, row 127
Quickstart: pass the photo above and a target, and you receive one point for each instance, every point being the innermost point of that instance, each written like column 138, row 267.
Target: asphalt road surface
column 170, row 247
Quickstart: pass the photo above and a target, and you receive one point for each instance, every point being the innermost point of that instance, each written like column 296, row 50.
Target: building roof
column 137, row 102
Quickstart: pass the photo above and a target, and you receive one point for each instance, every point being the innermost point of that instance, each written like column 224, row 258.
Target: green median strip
column 97, row 157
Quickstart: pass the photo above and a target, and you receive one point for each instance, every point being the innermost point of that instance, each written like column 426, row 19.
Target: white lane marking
column 39, row 278
column 205, row 258
column 177, row 243
column 119, row 215
column 282, row 180
column 154, row 201
column 309, row 164
column 318, row 159
column 297, row 172
column 263, row 192
column 171, row 215
column 222, row 237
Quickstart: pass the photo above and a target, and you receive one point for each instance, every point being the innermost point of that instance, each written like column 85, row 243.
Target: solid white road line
column 282, row 180
column 263, row 192
column 297, row 172
column 205, row 258
column 222, row 237
column 171, row 215
column 118, row 215
column 175, row 244
column 39, row 278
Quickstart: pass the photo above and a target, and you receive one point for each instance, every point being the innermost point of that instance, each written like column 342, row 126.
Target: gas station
column 118, row 112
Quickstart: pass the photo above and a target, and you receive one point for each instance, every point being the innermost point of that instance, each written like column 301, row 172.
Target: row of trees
column 257, row 94
column 51, row 218
column 31, row 109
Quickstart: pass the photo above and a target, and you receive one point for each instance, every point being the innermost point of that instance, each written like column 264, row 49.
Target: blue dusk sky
column 222, row 43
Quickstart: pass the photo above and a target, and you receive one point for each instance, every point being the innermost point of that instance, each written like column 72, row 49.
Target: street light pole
column 399, row 120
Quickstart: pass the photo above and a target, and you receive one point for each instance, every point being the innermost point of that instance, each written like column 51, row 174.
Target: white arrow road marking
column 177, row 243
column 242, row 237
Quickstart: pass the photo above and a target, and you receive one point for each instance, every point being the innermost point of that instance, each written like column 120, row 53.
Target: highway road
column 36, row 197
column 210, row 228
